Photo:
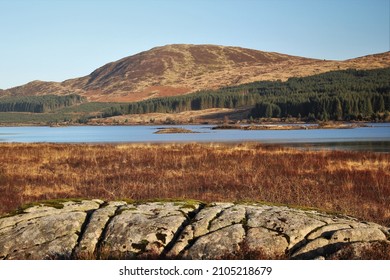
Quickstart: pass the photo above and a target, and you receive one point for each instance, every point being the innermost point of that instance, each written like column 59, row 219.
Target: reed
column 354, row 183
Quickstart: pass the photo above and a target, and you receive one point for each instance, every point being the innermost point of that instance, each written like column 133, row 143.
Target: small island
column 172, row 130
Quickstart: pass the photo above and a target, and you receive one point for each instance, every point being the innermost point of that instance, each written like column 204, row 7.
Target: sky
column 55, row 40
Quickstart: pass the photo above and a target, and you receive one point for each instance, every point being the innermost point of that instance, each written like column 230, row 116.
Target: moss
column 127, row 200
column 183, row 203
column 122, row 209
column 54, row 203
column 188, row 204
column 175, row 201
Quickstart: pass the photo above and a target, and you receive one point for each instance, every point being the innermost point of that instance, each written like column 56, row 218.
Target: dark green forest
column 338, row 95
column 38, row 104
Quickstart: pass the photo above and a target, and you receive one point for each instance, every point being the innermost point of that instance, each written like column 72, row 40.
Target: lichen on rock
column 94, row 229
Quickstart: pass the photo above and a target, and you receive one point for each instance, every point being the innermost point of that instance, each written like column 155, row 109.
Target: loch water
column 374, row 137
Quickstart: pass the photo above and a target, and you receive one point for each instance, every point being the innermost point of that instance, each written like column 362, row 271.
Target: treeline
column 325, row 107
column 337, row 95
column 38, row 104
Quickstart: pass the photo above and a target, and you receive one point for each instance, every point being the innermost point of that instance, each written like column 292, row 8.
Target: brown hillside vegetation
column 214, row 115
column 354, row 183
column 180, row 69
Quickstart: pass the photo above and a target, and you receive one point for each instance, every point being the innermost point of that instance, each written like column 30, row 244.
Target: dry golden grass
column 377, row 250
column 214, row 115
column 354, row 183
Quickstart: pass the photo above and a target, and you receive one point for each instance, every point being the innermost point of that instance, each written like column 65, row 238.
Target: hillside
column 179, row 69
column 349, row 95
column 337, row 95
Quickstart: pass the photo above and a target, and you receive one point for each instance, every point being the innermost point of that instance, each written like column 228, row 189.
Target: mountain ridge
column 184, row 68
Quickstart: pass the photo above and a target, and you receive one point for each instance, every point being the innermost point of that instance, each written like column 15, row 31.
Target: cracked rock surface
column 94, row 229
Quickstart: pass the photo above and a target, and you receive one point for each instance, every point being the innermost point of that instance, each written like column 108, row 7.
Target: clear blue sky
column 61, row 39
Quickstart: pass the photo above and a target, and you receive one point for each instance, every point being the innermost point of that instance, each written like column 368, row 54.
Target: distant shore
column 269, row 125
column 332, row 125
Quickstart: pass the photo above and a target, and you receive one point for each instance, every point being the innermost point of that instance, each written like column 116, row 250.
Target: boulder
column 93, row 229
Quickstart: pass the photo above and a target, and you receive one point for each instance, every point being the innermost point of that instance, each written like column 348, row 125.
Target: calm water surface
column 373, row 138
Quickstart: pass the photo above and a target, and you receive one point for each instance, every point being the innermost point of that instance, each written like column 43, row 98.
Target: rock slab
column 94, row 229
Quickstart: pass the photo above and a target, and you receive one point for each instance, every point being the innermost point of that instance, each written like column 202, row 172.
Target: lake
column 376, row 137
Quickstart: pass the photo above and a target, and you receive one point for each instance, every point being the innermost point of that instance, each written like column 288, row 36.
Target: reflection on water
column 373, row 138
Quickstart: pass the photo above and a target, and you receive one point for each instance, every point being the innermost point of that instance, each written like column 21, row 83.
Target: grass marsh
column 353, row 183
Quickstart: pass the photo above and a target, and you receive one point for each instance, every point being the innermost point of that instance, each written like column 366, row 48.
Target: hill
column 337, row 95
column 180, row 69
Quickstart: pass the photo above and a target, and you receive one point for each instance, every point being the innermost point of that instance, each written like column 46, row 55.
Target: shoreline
column 277, row 125
column 291, row 126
